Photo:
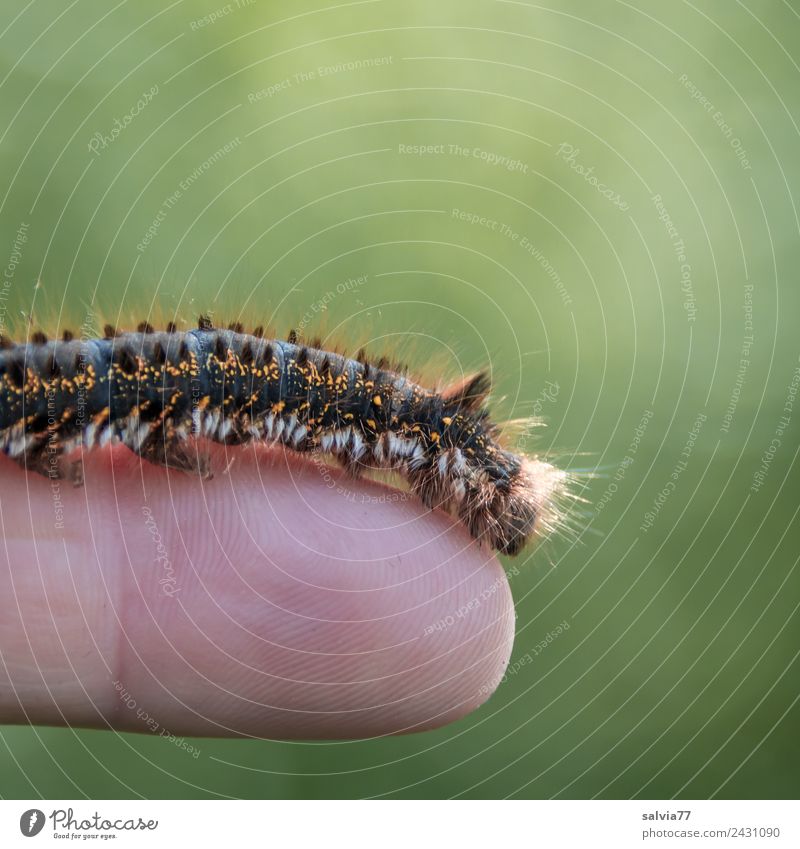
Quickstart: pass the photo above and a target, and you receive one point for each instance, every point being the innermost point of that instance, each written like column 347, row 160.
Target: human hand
column 279, row 599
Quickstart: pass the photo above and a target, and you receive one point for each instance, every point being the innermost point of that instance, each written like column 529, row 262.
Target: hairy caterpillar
column 156, row 391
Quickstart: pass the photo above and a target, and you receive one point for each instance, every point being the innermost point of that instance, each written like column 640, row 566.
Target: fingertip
column 318, row 606
column 279, row 599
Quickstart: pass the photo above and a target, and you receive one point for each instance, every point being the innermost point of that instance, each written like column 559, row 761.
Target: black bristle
column 302, row 357
column 246, row 356
column 159, row 354
column 172, row 327
column 316, row 342
column 324, row 366
column 39, row 338
column 126, row 361
column 109, row 331
column 361, row 355
column 220, row 349
column 144, row 327
column 292, row 337
column 183, row 351
column 204, row 323
column 268, row 353
column 16, row 373
column 468, row 393
column 5, row 342
column 67, row 336
column 258, row 332
column 236, row 327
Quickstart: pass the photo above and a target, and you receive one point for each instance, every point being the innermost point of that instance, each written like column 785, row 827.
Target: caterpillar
column 156, row 391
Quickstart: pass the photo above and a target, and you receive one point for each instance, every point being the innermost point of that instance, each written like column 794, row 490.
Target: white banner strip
column 400, row 824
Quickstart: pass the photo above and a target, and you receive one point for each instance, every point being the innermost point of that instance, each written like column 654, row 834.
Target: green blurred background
column 626, row 172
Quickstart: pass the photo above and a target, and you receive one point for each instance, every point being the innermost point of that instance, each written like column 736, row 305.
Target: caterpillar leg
column 168, row 449
column 427, row 484
column 37, row 453
column 352, row 467
column 76, row 472
column 352, row 453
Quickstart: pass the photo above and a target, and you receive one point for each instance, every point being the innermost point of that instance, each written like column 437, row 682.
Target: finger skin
column 279, row 599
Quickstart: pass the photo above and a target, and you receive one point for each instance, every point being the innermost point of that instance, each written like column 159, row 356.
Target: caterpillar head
column 528, row 508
